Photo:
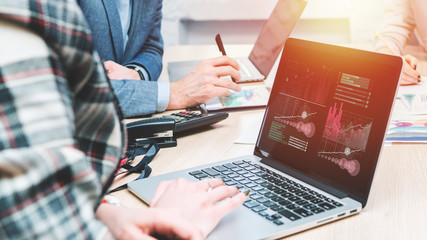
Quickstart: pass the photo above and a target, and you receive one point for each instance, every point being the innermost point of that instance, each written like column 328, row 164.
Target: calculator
column 188, row 120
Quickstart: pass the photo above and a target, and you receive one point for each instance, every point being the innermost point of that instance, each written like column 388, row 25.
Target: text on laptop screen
column 328, row 112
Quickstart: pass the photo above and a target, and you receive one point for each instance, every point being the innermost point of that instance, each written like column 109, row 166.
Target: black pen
column 218, row 41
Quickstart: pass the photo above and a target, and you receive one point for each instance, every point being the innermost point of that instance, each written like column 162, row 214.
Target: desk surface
column 397, row 205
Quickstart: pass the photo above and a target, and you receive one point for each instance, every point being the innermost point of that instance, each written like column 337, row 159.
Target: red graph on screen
column 352, row 131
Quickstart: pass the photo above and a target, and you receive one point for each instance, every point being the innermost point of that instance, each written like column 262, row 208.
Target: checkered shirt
column 60, row 128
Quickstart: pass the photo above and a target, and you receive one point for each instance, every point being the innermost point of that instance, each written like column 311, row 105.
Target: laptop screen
column 274, row 33
column 328, row 113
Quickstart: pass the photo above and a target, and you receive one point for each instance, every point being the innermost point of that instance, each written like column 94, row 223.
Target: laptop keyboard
column 244, row 71
column 272, row 196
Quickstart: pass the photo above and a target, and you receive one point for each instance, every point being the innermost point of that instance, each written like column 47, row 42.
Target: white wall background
column 239, row 21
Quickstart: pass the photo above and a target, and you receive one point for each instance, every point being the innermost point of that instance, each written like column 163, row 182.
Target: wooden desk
column 397, row 206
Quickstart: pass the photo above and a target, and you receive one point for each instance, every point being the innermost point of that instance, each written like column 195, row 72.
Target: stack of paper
column 409, row 119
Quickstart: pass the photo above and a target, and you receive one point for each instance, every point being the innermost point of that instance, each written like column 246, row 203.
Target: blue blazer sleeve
column 145, row 44
column 136, row 97
column 145, row 27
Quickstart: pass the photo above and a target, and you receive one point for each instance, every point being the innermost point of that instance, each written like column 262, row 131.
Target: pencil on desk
column 381, row 38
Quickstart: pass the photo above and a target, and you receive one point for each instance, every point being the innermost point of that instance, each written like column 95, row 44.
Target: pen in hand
column 218, row 41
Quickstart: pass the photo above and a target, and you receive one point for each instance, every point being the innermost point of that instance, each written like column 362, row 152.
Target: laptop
column 267, row 48
column 318, row 145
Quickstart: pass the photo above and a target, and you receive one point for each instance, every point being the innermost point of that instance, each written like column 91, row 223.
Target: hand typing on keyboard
column 180, row 209
column 197, row 204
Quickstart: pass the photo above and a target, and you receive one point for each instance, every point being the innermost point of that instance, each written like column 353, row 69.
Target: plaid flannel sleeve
column 58, row 146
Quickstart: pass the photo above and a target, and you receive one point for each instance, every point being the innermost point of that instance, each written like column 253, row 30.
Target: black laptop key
column 252, row 185
column 262, row 213
column 249, row 168
column 303, row 212
column 234, row 175
column 295, row 191
column 245, row 182
column 285, row 202
column 301, row 194
column 257, row 188
column 239, row 162
column 253, row 178
column 201, row 176
column 337, row 204
column 220, row 168
column 262, row 200
column 226, row 179
column 270, row 204
column 277, row 208
column 264, row 191
column 317, row 210
column 294, row 198
column 251, row 204
column 269, row 218
column 286, row 195
column 289, row 215
column 228, row 172
column 279, row 191
column 277, row 199
column 278, row 222
column 273, row 188
column 270, row 195
column 255, row 171
column 248, row 175
column 266, row 184
column 238, row 179
column 309, row 197
column 231, row 183
column 310, row 206
column 256, row 196
column 259, row 208
column 326, row 206
column 263, row 175
column 317, row 201
column 242, row 172
column 302, row 202
column 195, row 173
column 292, row 206
column 210, row 172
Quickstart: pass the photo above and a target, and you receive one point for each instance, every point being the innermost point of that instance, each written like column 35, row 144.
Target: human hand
column 410, row 75
column 204, row 82
column 117, row 71
column 198, row 202
column 142, row 223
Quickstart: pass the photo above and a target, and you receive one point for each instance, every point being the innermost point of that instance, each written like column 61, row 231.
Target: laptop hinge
column 335, row 192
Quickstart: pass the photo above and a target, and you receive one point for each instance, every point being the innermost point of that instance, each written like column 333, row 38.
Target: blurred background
column 240, row 21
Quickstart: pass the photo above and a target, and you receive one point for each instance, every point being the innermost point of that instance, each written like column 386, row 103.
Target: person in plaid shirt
column 61, row 138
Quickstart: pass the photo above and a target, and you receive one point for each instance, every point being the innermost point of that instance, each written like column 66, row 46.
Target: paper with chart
column 249, row 97
column 414, row 98
column 408, row 129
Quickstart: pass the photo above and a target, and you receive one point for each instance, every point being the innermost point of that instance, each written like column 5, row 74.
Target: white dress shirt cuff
column 163, row 96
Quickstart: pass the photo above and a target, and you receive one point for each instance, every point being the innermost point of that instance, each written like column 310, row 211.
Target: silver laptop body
column 267, row 47
column 319, row 143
